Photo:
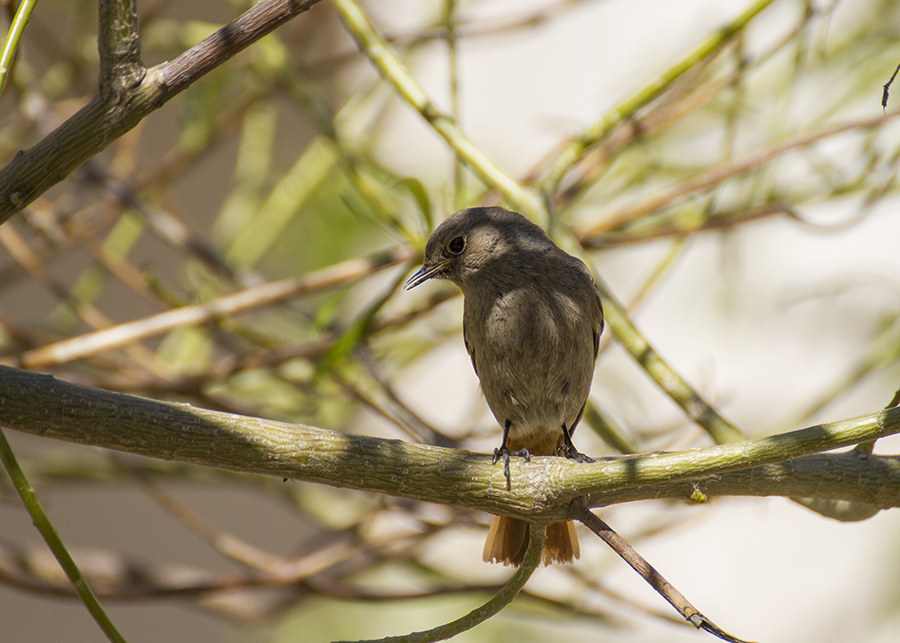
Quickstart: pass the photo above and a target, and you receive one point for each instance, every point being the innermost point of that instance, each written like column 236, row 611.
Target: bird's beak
column 424, row 274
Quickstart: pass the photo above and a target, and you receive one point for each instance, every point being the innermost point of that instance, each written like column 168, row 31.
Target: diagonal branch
column 14, row 36
column 667, row 196
column 54, row 542
column 119, row 106
column 574, row 150
column 666, row 377
column 646, row 571
column 89, row 344
column 374, row 46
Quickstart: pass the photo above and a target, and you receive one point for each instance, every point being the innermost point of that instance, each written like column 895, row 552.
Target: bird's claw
column 570, row 452
column 505, row 453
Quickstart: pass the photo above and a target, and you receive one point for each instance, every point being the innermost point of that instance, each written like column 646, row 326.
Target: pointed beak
column 424, row 274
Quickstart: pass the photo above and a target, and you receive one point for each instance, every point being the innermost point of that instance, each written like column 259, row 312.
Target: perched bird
column 531, row 323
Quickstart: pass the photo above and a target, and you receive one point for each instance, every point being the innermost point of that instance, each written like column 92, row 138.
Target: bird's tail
column 508, row 539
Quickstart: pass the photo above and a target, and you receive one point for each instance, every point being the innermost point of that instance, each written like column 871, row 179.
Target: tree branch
column 873, row 481
column 541, row 490
column 373, row 45
column 646, row 571
column 482, row 613
column 119, row 44
column 55, row 543
column 120, row 105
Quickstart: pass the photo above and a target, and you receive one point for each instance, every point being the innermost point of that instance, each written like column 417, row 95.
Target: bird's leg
column 568, row 449
column 504, row 452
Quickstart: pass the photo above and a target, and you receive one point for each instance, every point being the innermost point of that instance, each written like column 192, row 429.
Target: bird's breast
column 533, row 348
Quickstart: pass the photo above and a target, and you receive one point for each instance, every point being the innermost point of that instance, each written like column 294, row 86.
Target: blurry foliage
column 270, row 167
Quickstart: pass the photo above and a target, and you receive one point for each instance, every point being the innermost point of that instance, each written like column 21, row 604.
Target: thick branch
column 109, row 115
column 852, row 477
column 541, row 490
column 119, row 44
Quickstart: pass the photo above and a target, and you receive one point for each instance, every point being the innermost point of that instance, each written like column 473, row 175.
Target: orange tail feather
column 508, row 539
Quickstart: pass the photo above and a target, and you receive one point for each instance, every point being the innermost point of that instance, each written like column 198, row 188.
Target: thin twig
column 656, row 580
column 271, row 358
column 573, row 151
column 683, row 227
column 134, row 580
column 13, row 36
column 21, row 251
column 670, row 381
column 450, row 19
column 718, row 174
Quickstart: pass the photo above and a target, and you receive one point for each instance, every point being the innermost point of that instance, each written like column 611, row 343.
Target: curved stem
column 11, row 44
column 54, row 542
column 500, row 600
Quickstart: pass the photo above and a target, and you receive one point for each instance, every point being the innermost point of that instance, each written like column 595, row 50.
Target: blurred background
column 746, row 216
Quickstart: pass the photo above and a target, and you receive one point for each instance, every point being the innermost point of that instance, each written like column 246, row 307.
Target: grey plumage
column 532, row 321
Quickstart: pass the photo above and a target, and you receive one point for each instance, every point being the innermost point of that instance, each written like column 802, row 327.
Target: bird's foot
column 570, row 452
column 504, row 454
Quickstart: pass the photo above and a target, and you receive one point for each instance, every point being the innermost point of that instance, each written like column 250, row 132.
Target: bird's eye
column 457, row 245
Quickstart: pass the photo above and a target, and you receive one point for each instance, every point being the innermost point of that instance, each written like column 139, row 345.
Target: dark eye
column 457, row 245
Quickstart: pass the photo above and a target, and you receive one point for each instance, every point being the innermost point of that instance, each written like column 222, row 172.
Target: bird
column 532, row 320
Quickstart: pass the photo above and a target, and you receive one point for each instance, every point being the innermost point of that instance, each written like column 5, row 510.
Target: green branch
column 500, row 600
column 54, row 542
column 389, row 66
column 13, row 36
